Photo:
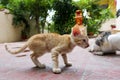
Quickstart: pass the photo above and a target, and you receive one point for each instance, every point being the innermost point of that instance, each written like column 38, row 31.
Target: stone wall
column 106, row 26
column 8, row 33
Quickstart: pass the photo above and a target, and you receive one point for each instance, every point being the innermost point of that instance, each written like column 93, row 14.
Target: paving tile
column 85, row 66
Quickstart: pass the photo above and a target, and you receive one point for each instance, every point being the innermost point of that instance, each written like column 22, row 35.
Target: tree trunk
column 42, row 29
column 37, row 25
column 42, row 26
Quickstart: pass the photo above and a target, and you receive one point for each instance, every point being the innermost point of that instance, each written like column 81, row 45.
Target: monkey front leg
column 64, row 56
column 56, row 68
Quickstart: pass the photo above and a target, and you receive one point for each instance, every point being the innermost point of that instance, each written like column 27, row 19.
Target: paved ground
column 86, row 66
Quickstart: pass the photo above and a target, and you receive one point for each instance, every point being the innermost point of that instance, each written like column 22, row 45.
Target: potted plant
column 97, row 15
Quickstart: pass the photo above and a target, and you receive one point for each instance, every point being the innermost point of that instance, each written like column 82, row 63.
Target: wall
column 118, row 23
column 8, row 33
column 118, row 5
column 106, row 26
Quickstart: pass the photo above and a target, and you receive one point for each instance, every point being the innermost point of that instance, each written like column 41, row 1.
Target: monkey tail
column 16, row 51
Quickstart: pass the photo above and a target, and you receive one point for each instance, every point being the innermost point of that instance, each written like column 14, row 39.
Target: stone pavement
column 85, row 66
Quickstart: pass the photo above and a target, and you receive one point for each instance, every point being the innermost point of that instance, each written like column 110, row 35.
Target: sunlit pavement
column 85, row 66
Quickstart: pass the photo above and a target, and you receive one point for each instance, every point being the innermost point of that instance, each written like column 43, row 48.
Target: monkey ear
column 76, row 31
column 83, row 31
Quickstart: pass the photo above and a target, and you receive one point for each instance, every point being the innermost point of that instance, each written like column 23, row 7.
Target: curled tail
column 17, row 51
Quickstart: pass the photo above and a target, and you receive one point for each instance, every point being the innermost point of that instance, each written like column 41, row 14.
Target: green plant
column 20, row 18
column 1, row 6
column 63, row 18
column 27, row 12
column 97, row 18
column 97, row 14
